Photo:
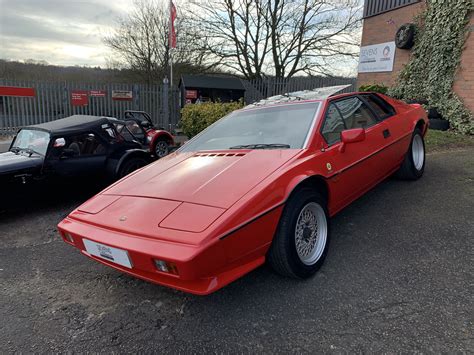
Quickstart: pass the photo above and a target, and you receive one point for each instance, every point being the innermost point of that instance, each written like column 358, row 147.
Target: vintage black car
column 78, row 146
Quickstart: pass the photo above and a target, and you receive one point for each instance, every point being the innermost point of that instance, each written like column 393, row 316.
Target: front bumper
column 202, row 269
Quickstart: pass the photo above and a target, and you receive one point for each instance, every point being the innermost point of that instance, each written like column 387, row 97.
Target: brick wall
column 382, row 28
column 464, row 81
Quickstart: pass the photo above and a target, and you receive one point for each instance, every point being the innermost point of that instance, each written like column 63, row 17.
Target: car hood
column 217, row 179
column 11, row 162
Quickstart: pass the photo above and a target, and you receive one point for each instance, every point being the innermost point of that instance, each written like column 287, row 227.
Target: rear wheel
column 414, row 164
column 161, row 148
column 301, row 242
column 131, row 165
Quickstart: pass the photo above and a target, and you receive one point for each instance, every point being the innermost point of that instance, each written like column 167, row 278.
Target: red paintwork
column 351, row 136
column 158, row 134
column 213, row 214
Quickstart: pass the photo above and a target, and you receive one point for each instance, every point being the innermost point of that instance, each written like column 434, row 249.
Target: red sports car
column 258, row 185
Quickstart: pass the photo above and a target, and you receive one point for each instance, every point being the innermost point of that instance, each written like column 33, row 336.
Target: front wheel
column 301, row 242
column 161, row 149
column 413, row 165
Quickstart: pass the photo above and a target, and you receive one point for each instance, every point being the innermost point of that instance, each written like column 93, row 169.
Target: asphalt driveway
column 398, row 277
column 4, row 144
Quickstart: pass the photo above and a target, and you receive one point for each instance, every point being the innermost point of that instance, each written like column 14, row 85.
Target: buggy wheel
column 161, row 148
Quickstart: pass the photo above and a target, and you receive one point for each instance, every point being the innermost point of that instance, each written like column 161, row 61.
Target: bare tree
column 140, row 41
column 256, row 38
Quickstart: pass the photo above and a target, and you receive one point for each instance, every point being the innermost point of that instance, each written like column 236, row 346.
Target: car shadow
column 19, row 201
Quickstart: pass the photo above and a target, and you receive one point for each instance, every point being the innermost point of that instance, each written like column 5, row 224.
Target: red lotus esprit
column 258, row 185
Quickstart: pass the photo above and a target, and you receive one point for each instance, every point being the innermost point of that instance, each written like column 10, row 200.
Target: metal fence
column 260, row 89
column 53, row 100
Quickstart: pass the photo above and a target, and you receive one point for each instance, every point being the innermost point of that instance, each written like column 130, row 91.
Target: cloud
column 61, row 32
column 55, row 52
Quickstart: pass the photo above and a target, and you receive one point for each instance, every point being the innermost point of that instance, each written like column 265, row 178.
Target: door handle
column 386, row 133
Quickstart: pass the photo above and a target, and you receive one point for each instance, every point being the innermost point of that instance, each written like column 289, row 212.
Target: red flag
column 173, row 15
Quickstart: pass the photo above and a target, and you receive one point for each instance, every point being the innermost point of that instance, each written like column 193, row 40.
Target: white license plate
column 115, row 255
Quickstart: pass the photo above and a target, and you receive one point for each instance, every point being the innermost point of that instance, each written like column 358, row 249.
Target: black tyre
column 301, row 242
column 131, row 165
column 434, row 113
column 405, row 36
column 161, row 148
column 439, row 124
column 413, row 165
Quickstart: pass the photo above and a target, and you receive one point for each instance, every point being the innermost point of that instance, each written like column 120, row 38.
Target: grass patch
column 445, row 140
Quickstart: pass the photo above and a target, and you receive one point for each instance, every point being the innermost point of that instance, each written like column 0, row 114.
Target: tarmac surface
column 398, row 277
column 4, row 144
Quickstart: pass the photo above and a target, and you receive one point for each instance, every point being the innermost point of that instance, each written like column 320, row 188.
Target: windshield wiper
column 261, row 146
column 14, row 150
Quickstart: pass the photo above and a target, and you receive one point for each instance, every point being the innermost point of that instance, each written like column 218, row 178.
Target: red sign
column 98, row 93
column 16, row 91
column 79, row 98
column 191, row 94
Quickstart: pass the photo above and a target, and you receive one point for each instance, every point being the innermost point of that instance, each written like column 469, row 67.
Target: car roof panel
column 73, row 123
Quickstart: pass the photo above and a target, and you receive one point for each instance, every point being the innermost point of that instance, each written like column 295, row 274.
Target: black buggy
column 74, row 147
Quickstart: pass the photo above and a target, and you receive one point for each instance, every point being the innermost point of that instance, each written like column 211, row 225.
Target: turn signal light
column 166, row 266
column 68, row 237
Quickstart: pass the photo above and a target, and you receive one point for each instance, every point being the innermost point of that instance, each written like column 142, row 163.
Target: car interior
column 85, row 144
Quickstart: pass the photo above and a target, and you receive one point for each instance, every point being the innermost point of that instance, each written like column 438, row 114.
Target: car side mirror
column 67, row 153
column 59, row 142
column 145, row 124
column 351, row 136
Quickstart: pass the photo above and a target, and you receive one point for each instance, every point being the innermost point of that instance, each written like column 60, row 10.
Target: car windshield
column 31, row 140
column 276, row 127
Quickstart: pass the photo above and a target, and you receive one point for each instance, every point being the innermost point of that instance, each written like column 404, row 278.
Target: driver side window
column 333, row 125
column 355, row 113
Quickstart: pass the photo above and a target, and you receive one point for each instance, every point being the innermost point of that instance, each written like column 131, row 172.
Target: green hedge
column 196, row 117
column 380, row 88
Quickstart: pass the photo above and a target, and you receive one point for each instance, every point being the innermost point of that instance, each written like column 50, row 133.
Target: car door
column 82, row 154
column 356, row 169
column 398, row 137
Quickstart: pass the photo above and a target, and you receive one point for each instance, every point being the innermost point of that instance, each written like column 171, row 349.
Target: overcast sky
column 64, row 32
column 68, row 32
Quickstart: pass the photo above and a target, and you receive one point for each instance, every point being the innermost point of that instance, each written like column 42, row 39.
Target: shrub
column 196, row 117
column 380, row 88
column 430, row 73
